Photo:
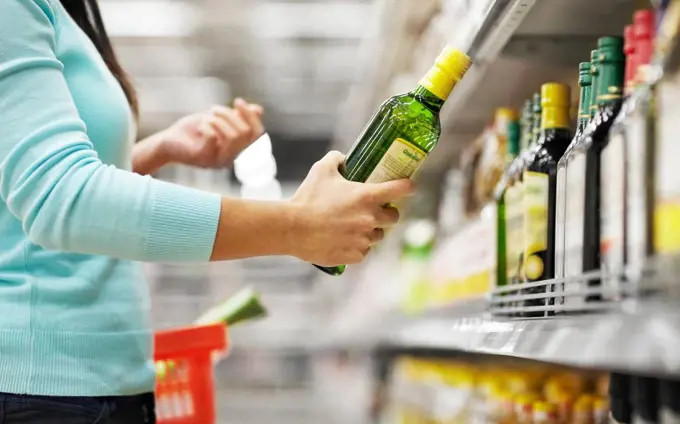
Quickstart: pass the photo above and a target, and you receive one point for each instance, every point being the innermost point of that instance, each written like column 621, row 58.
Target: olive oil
column 609, row 95
column 540, row 186
column 404, row 130
column 585, row 79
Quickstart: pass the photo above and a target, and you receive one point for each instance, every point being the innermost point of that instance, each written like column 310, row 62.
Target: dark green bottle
column 404, row 130
column 608, row 91
column 501, row 231
column 584, row 81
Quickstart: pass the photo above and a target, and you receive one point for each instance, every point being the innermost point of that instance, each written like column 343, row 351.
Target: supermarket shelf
column 644, row 338
column 519, row 45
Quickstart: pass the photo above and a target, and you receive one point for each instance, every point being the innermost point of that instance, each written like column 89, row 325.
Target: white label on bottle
column 636, row 191
column 612, row 207
column 667, row 199
column 560, row 216
column 574, row 222
column 401, row 160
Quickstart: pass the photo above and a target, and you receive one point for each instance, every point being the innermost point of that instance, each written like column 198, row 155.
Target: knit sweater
column 74, row 220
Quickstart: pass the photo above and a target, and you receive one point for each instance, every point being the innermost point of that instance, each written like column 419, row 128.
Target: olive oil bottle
column 586, row 183
column 513, row 132
column 514, row 218
column 404, row 130
column 584, row 81
column 540, row 186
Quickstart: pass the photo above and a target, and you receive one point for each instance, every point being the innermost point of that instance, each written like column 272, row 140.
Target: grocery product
column 245, row 305
column 645, row 400
column 575, row 173
column 540, row 185
column 640, row 144
column 585, row 165
column 405, row 129
column 489, row 391
column 669, row 392
column 585, row 79
column 501, row 231
column 666, row 231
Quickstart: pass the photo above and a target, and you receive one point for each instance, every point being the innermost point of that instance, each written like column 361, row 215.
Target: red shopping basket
column 185, row 394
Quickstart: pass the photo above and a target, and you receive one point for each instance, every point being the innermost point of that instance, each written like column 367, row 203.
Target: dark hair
column 88, row 17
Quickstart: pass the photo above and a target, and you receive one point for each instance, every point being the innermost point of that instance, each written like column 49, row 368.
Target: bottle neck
column 583, row 107
column 592, row 98
column 428, row 98
column 554, row 117
column 610, row 84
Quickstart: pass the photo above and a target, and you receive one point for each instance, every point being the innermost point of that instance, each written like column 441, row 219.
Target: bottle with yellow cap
column 405, row 129
column 539, row 179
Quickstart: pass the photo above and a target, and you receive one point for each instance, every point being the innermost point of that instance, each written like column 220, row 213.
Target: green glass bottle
column 584, row 81
column 404, row 130
column 609, row 97
column 536, row 108
column 526, row 125
column 540, row 185
column 500, row 192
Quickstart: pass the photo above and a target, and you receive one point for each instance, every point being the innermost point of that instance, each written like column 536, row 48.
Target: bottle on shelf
column 404, row 130
column 666, row 181
column 575, row 171
column 585, row 166
column 583, row 410
column 513, row 134
column 536, row 121
column 669, row 392
column 562, row 194
column 620, row 402
column 645, row 400
column 527, row 125
column 539, row 177
column 612, row 188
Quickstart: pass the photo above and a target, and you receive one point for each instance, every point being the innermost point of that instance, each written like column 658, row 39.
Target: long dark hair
column 87, row 15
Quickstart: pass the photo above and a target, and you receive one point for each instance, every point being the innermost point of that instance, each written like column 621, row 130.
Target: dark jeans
column 25, row 409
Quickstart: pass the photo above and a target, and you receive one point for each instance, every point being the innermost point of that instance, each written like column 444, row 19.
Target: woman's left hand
column 215, row 138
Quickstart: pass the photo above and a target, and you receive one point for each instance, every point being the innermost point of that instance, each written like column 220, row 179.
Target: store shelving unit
column 517, row 45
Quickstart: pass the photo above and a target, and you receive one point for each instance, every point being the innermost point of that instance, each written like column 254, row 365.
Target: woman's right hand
column 341, row 219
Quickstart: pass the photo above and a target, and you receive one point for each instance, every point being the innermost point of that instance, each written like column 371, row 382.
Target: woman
column 75, row 338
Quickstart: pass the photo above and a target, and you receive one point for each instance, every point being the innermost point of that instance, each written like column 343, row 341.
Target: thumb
column 391, row 191
column 331, row 162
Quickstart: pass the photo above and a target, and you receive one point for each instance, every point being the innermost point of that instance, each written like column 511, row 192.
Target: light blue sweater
column 74, row 306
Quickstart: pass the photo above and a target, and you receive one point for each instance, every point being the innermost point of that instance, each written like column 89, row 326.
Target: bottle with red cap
column 612, row 186
column 639, row 135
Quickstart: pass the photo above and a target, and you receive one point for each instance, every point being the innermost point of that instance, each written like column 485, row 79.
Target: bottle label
column 514, row 227
column 536, row 189
column 574, row 220
column 401, row 160
column 560, row 216
column 636, row 191
column 667, row 205
column 612, row 207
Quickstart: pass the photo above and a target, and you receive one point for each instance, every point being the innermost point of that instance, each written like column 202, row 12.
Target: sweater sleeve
column 51, row 178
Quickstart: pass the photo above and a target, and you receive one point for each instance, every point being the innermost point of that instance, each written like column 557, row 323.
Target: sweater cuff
column 183, row 224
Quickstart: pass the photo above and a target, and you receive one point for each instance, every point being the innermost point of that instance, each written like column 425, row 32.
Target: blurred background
column 320, row 68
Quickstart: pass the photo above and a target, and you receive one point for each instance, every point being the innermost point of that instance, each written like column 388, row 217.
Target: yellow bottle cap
column 454, row 62
column 507, row 113
column 554, row 94
column 448, row 69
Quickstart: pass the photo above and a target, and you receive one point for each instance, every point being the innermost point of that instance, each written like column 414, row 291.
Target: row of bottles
column 606, row 197
column 643, row 400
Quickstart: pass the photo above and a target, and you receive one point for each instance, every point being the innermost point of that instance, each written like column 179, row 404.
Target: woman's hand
column 211, row 139
column 329, row 221
column 341, row 219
